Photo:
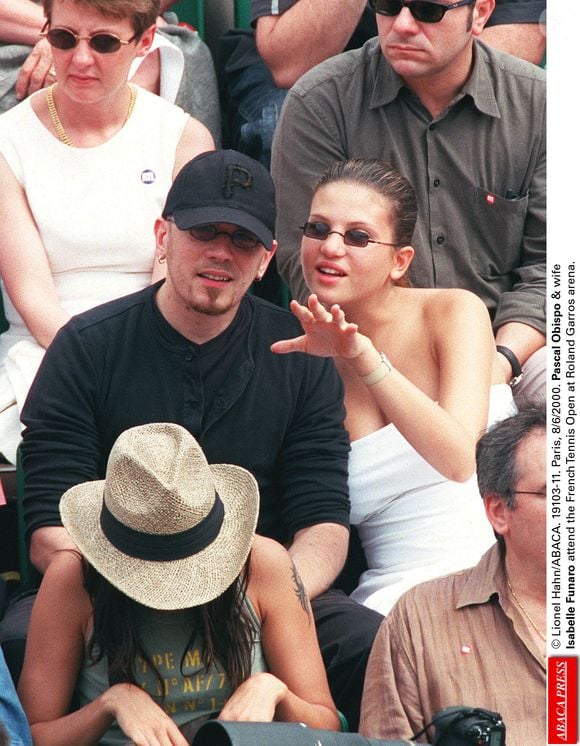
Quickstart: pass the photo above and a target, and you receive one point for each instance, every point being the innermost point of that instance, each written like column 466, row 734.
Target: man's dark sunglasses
column 320, row 232
column 421, row 10
column 64, row 39
column 240, row 238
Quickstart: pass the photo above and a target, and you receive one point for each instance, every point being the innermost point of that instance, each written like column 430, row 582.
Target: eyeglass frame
column 528, row 492
column 303, row 228
column 45, row 35
column 221, row 233
column 409, row 4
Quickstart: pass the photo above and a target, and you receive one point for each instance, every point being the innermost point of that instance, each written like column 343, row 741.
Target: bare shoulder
column 63, row 580
column 195, row 139
column 66, row 564
column 454, row 299
column 197, row 131
column 271, row 567
column 8, row 180
column 444, row 305
column 458, row 319
column 268, row 559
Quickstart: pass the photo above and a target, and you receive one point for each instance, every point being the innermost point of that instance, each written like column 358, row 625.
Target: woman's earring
column 161, row 259
column 258, row 278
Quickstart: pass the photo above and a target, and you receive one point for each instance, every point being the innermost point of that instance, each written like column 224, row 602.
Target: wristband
column 379, row 372
column 517, row 372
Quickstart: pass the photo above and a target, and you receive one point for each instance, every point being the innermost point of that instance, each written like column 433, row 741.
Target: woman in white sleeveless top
column 85, row 166
column 420, row 374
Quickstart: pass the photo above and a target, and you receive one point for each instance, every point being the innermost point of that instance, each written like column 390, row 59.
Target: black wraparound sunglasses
column 102, row 43
column 421, row 10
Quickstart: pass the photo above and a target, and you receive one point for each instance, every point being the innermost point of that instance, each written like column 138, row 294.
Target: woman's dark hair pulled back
column 387, row 182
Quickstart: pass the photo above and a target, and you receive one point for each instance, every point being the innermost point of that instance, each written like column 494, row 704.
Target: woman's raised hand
column 326, row 332
column 141, row 719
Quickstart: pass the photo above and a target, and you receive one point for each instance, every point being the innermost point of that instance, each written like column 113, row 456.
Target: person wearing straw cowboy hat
column 172, row 609
column 194, row 349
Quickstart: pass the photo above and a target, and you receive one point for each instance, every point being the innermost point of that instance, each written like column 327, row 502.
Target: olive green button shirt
column 478, row 168
column 457, row 640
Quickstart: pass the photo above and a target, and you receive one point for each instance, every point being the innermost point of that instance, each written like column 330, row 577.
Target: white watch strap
column 383, row 368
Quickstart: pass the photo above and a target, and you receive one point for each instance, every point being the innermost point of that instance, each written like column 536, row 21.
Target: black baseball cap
column 224, row 186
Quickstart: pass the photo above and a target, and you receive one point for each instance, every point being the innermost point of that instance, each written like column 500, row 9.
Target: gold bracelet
column 383, row 368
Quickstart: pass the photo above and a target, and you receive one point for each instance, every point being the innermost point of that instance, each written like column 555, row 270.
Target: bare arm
column 319, row 552
column 20, row 21
column 54, row 653
column 306, row 34
column 525, row 40
column 444, row 432
column 45, row 543
column 24, row 264
column 295, row 689
column 195, row 139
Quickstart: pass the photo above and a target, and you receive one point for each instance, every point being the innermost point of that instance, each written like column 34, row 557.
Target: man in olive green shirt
column 466, row 125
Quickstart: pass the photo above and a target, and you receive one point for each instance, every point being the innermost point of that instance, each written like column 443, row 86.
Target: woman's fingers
column 318, row 311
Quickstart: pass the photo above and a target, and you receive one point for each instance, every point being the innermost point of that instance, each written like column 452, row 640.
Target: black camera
column 467, row 726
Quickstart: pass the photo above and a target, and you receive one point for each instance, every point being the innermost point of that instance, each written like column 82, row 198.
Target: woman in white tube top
column 420, row 374
column 85, row 166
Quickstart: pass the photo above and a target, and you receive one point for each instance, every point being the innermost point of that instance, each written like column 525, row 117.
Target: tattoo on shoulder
column 299, row 589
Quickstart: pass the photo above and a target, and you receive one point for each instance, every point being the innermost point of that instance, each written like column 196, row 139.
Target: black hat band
column 163, row 547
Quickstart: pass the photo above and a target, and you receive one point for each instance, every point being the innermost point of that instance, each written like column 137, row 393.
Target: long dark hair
column 225, row 627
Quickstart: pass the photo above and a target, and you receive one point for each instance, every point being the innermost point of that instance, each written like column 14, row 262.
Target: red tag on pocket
column 490, row 199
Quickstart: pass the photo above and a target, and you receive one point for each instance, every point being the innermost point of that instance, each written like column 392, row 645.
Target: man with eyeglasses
column 478, row 637
column 194, row 349
column 465, row 123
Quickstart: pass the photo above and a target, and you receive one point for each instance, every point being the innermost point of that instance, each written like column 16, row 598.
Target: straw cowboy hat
column 164, row 527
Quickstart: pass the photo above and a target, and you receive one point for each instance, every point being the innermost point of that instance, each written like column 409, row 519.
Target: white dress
column 95, row 209
column 414, row 524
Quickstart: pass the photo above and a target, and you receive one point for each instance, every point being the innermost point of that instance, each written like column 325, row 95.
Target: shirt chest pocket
column 497, row 232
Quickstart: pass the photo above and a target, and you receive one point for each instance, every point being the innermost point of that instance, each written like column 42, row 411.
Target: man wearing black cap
column 194, row 349
column 228, row 215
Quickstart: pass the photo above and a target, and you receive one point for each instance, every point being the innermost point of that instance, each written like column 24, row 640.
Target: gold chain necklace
column 523, row 609
column 60, row 130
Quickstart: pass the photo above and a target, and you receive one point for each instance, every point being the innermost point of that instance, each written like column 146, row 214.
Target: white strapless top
column 414, row 524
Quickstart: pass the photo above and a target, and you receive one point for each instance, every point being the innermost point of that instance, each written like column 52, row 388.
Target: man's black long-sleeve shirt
column 121, row 364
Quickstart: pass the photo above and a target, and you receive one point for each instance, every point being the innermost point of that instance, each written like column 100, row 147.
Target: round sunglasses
column 320, row 232
column 240, row 238
column 421, row 10
column 102, row 43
